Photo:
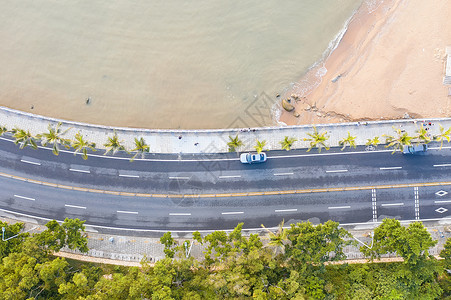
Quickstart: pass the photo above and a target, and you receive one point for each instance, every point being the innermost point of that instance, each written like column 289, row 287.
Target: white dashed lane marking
column 23, row 197
column 127, row 212
column 130, row 176
column 443, row 165
column 230, row 176
column 393, row 204
column 339, row 207
column 283, row 174
column 74, row 206
column 30, row 162
column 80, row 171
column 390, row 168
column 286, row 210
column 337, row 171
column 233, row 213
column 180, row 214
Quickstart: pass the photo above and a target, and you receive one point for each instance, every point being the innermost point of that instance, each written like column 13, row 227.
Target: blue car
column 253, row 158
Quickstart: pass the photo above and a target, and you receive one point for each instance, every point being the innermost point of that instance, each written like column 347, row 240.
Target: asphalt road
column 209, row 192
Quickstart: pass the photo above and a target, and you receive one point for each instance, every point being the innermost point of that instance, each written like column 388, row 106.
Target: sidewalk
column 215, row 141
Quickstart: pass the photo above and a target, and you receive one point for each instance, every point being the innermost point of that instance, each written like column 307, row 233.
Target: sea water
column 161, row 64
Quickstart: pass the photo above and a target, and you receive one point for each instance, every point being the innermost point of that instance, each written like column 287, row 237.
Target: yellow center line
column 265, row 193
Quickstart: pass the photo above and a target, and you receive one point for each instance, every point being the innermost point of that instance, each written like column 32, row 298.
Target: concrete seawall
column 215, row 141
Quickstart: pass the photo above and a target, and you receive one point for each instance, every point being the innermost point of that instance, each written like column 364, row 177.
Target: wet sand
column 389, row 65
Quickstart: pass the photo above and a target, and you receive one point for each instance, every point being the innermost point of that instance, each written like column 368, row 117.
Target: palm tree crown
column 317, row 139
column 140, row 147
column 398, row 142
column 287, row 143
column 349, row 140
column 24, row 138
column 53, row 136
column 423, row 135
column 260, row 145
column 114, row 145
column 80, row 144
column 373, row 142
column 234, row 143
column 444, row 135
column 3, row 130
column 278, row 239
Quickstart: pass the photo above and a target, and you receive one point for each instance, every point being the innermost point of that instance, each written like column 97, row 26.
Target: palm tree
column 373, row 142
column 114, row 145
column 287, row 142
column 53, row 136
column 317, row 139
column 348, row 140
column 80, row 144
column 444, row 135
column 398, row 142
column 234, row 143
column 24, row 138
column 278, row 239
column 3, row 130
column 260, row 145
column 423, row 135
column 141, row 148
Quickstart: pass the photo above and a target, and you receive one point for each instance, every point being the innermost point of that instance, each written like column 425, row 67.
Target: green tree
column 3, row 130
column 234, row 143
column 14, row 244
column 24, row 138
column 70, row 234
column 287, row 143
column 141, row 148
column 373, row 142
column 399, row 141
column 81, row 145
column 114, row 145
column 278, row 239
column 317, row 140
column 446, row 253
column 444, row 135
column 422, row 136
column 54, row 137
column 169, row 244
column 349, row 140
column 260, row 146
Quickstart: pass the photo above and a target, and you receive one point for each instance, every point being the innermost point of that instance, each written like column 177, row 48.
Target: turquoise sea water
column 159, row 64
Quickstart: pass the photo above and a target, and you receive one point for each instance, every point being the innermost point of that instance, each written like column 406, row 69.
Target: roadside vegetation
column 291, row 262
column 316, row 140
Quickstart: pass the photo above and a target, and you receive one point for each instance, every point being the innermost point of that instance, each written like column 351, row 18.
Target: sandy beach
column 388, row 65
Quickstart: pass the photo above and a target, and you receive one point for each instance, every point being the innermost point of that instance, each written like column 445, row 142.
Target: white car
column 253, row 158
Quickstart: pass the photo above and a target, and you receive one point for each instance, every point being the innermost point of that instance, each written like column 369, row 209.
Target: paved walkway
column 215, row 141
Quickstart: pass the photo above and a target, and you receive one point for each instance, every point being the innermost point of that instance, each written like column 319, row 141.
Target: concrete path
column 215, row 141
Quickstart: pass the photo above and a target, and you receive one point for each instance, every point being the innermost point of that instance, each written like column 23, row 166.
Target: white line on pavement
column 286, row 210
column 390, row 168
column 442, row 201
column 30, row 162
column 443, row 165
column 176, row 177
column 338, row 207
column 233, row 213
column 180, row 214
column 393, row 204
column 131, row 176
column 283, row 174
column 23, row 197
column 374, row 204
column 81, row 171
column 230, row 176
column 74, row 206
column 417, row 203
column 337, row 171
column 127, row 212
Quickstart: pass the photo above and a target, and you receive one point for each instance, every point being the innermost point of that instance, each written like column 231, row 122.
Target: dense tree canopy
column 287, row 263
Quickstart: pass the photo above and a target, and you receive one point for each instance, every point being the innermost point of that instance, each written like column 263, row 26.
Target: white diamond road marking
column 441, row 193
column 441, row 210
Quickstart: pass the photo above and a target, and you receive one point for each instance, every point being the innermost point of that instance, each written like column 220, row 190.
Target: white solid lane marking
column 393, row 204
column 233, row 213
column 30, row 162
column 338, row 207
column 180, row 214
column 337, row 171
column 81, row 171
column 282, row 174
column 74, row 206
column 390, row 168
column 442, row 201
column 286, row 210
column 131, row 176
column 230, row 176
column 127, row 212
column 176, row 177
column 23, row 197
column 443, row 165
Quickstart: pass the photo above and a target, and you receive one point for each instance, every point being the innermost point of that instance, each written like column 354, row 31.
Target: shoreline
column 377, row 70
